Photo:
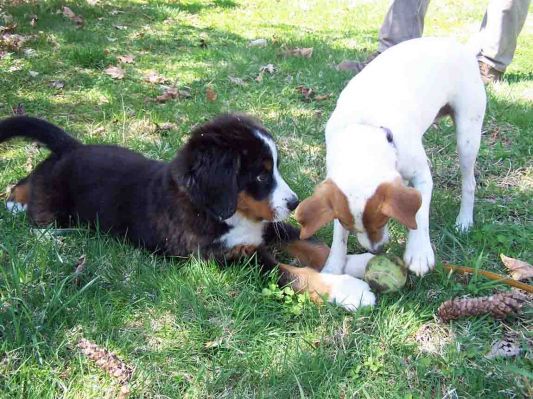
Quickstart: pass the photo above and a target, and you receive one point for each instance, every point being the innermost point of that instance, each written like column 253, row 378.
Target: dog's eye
column 262, row 177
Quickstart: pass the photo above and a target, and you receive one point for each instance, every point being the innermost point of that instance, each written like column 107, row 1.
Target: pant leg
column 404, row 21
column 500, row 28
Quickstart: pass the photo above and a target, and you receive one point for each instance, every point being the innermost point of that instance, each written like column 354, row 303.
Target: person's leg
column 500, row 28
column 404, row 21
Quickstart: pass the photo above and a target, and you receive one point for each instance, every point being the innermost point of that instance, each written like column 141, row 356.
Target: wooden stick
column 490, row 275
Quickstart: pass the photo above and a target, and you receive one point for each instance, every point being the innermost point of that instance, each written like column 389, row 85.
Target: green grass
column 158, row 314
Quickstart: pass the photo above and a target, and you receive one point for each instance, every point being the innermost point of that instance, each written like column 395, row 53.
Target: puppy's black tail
column 55, row 138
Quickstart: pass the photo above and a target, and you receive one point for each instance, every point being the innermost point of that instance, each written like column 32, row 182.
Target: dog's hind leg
column 468, row 123
column 18, row 198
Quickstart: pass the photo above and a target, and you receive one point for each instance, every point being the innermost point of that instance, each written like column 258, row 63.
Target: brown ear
column 401, row 203
column 313, row 213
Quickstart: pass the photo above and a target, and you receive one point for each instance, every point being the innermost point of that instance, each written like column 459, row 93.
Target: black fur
column 176, row 208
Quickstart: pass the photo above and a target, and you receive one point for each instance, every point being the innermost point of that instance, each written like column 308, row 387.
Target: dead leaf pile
column 77, row 19
column 309, row 94
column 518, row 269
column 298, row 52
column 115, row 72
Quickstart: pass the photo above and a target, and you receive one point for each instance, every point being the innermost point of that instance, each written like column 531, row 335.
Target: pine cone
column 106, row 360
column 499, row 305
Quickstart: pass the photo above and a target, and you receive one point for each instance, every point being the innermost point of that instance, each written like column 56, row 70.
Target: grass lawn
column 193, row 329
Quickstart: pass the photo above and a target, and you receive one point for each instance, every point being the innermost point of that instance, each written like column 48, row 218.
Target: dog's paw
column 356, row 264
column 419, row 257
column 348, row 292
column 15, row 207
column 463, row 224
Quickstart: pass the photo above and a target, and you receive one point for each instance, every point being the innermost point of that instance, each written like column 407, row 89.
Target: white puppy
column 374, row 144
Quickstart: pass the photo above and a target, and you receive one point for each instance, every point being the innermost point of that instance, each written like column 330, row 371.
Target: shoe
column 355, row 66
column 489, row 74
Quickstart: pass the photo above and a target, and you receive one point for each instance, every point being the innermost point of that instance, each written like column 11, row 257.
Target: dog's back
column 428, row 74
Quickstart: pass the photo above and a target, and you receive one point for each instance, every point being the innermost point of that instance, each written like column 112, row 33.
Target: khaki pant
column 501, row 25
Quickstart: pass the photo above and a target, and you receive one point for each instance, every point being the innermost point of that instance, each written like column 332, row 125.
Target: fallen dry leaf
column 518, row 269
column 503, row 348
column 322, row 97
column 8, row 27
column 79, row 267
column 19, row 109
column 306, row 92
column 115, row 72
column 298, row 52
column 258, row 43
column 169, row 94
column 33, row 21
column 268, row 68
column 154, row 77
column 77, row 19
column 126, row 59
column 120, row 27
column 211, row 94
column 163, row 127
column 214, row 344
column 237, row 81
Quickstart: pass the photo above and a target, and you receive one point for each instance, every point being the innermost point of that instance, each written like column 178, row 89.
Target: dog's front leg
column 339, row 247
column 419, row 256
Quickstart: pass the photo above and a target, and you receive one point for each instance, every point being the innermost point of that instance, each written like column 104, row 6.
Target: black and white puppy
column 222, row 196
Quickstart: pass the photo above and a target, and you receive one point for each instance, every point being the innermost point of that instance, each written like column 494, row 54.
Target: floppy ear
column 401, row 203
column 326, row 204
column 209, row 175
column 313, row 213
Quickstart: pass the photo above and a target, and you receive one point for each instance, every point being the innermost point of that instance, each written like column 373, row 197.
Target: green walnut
column 385, row 273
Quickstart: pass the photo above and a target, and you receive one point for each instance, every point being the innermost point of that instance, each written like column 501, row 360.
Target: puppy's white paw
column 463, row 224
column 15, row 207
column 348, row 292
column 419, row 256
column 356, row 264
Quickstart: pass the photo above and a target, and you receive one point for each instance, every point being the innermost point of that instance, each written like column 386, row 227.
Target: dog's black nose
column 292, row 203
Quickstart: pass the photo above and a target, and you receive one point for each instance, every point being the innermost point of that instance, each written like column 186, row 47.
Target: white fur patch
column 243, row 231
column 282, row 193
column 16, row 207
column 356, row 264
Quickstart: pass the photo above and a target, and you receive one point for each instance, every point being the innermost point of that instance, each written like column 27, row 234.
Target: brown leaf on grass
column 19, row 109
column 77, row 19
column 8, row 28
column 518, row 269
column 211, row 94
column 126, row 59
column 504, row 348
column 154, row 77
column 79, row 267
column 298, row 52
column 169, row 94
column 165, row 127
column 106, row 360
column 306, row 92
column 115, row 72
column 322, row 97
column 33, row 21
column 214, row 344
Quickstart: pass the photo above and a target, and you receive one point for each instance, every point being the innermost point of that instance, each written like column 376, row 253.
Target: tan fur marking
column 309, row 253
column 20, row 193
column 327, row 203
column 253, row 209
column 305, row 279
column 268, row 165
column 391, row 200
column 241, row 251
